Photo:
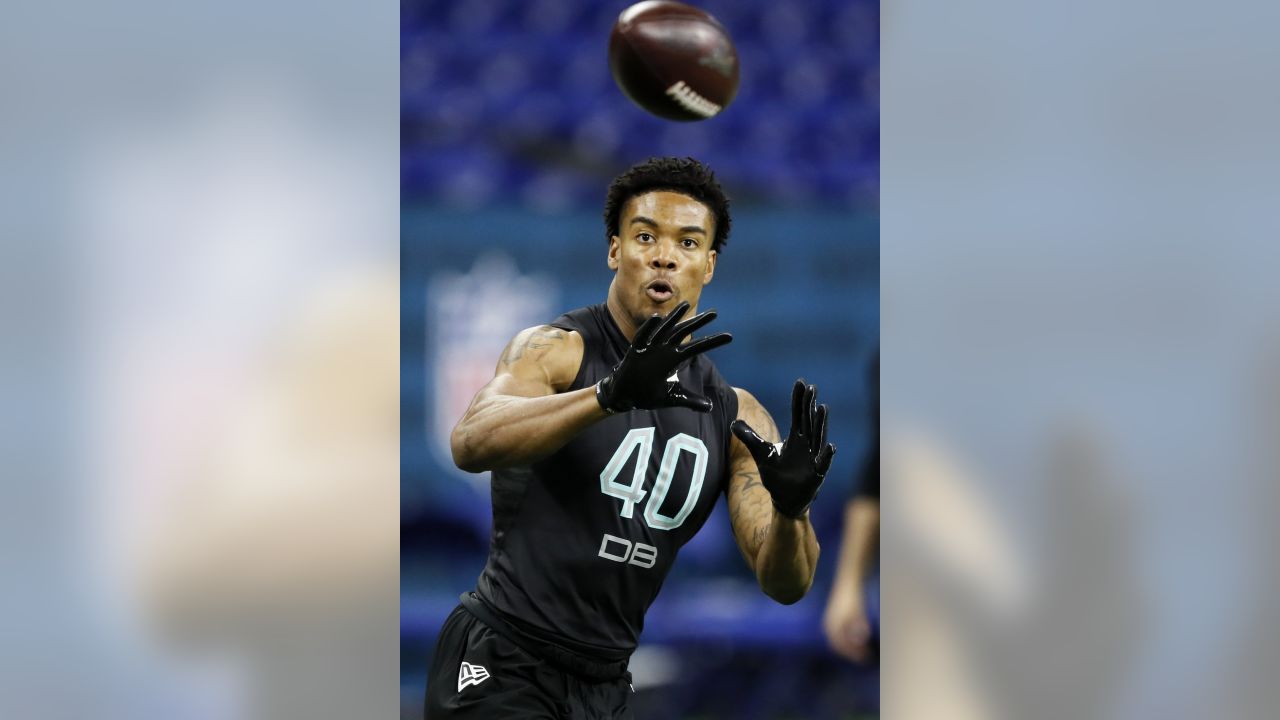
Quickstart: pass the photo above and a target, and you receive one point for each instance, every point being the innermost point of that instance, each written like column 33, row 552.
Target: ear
column 615, row 247
column 711, row 267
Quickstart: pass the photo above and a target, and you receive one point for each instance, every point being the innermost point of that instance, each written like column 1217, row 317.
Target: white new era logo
column 470, row 674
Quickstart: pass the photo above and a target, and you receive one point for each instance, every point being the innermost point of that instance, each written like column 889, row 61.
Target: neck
column 621, row 317
column 628, row 324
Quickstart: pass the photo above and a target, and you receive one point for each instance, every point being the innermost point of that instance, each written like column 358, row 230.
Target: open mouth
column 660, row 291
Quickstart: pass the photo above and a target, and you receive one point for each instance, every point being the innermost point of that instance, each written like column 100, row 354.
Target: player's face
column 662, row 254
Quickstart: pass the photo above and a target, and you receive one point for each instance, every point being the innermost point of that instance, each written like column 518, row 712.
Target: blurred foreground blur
column 201, row 307
column 1080, row 316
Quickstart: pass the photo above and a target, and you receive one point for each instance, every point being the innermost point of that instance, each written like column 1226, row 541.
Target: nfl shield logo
column 471, row 317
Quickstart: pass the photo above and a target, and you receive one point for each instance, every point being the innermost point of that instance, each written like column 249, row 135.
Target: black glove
column 793, row 472
column 641, row 382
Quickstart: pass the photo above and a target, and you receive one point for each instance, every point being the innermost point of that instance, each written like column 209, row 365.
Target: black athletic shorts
column 477, row 673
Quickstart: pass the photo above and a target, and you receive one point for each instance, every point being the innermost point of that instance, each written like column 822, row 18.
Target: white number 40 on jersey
column 639, row 441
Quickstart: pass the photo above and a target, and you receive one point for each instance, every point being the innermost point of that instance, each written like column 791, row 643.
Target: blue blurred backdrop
column 511, row 129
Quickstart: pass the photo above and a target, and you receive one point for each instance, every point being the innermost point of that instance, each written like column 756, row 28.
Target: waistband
column 561, row 658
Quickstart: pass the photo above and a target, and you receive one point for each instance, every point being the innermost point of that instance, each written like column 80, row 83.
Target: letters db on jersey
column 624, row 551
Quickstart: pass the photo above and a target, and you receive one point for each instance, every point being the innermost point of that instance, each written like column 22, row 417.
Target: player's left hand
column 793, row 471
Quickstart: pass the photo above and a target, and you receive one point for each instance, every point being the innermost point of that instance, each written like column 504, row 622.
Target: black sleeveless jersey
column 583, row 539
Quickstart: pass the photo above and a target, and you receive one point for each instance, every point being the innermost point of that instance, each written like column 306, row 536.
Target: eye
column 689, row 243
column 645, row 237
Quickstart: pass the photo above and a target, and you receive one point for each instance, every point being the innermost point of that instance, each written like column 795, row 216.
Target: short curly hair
column 681, row 175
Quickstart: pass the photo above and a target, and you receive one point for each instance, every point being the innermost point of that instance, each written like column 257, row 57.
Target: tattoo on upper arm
column 541, row 338
column 770, row 427
column 759, row 419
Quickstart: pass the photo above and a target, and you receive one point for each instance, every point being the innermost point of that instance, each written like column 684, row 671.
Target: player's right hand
column 641, row 381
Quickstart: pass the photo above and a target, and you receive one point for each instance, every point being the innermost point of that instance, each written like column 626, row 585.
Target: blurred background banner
column 511, row 131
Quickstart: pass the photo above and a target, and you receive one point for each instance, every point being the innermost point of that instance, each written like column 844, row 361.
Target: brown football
column 674, row 60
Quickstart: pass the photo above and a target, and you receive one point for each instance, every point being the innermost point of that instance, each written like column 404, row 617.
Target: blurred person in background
column 276, row 553
column 975, row 595
column 560, row 604
column 852, row 618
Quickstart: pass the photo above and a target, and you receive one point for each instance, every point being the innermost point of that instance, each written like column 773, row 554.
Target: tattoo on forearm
column 751, row 511
column 757, row 539
column 751, row 507
column 750, row 479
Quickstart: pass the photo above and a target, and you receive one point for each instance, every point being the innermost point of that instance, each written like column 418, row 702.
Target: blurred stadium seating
column 513, row 99
column 511, row 129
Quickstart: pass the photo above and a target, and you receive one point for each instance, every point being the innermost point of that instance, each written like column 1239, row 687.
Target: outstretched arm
column 780, row 547
column 524, row 415
column 518, row 417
